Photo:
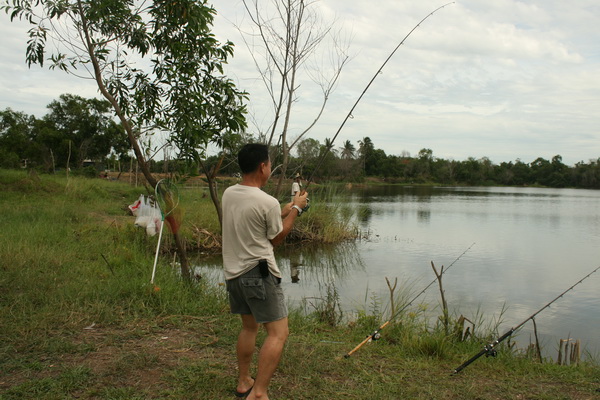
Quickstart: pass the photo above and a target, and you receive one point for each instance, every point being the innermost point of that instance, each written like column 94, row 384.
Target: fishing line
column 490, row 349
column 350, row 115
column 376, row 333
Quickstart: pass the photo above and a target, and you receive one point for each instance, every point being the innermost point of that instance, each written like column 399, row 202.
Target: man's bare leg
column 268, row 358
column 245, row 349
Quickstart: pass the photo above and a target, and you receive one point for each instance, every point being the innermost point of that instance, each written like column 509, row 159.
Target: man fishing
column 253, row 223
column 296, row 185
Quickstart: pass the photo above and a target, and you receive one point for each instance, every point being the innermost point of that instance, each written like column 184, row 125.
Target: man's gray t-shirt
column 251, row 218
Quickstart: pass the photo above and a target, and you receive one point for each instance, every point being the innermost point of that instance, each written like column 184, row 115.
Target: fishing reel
column 305, row 209
column 375, row 336
column 302, row 210
column 490, row 351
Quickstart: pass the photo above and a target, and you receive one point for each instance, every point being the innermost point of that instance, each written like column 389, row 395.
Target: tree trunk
column 212, row 186
column 179, row 245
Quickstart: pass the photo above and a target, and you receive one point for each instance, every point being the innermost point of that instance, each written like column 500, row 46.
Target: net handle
column 169, row 187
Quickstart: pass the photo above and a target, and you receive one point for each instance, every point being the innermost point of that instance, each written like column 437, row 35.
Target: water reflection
column 303, row 266
column 364, row 214
column 321, row 264
column 423, row 215
column 295, row 265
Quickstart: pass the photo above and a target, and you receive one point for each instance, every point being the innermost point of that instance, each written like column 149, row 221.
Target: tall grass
column 70, row 257
column 328, row 219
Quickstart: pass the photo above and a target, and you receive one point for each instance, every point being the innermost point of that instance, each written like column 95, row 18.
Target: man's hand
column 300, row 199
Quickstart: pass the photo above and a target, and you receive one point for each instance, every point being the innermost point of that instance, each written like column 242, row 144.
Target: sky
column 501, row 79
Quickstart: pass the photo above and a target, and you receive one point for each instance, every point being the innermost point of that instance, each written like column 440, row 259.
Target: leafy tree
column 374, row 164
column 347, row 150
column 87, row 124
column 391, row 167
column 522, row 173
column 443, row 170
column 365, row 149
column 504, row 173
column 541, row 170
column 308, row 149
column 425, row 160
column 326, row 162
column 308, row 152
column 347, row 154
column 15, row 138
column 587, row 175
column 182, row 91
column 559, row 174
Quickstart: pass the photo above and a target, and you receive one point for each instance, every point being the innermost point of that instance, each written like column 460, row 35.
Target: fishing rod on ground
column 376, row 333
column 349, row 115
column 490, row 349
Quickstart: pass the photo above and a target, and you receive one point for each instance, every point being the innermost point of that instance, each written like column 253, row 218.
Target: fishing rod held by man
column 350, row 113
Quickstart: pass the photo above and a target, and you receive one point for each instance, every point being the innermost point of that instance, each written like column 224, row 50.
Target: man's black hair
column 251, row 156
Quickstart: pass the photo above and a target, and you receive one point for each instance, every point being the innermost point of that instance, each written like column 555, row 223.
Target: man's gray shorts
column 250, row 293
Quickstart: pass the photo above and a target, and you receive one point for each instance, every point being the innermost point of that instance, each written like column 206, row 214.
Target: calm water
column 530, row 245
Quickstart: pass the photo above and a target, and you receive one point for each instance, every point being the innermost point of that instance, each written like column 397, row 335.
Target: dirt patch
column 144, row 359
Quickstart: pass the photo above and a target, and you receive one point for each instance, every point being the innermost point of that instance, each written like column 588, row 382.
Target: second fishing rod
column 489, row 350
column 375, row 335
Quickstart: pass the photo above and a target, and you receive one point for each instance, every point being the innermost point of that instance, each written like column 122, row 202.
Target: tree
column 15, row 138
column 182, row 91
column 375, row 163
column 327, row 160
column 347, row 153
column 290, row 34
column 425, row 161
column 365, row 149
column 308, row 152
column 541, row 170
column 558, row 177
column 87, row 124
column 347, row 150
column 522, row 173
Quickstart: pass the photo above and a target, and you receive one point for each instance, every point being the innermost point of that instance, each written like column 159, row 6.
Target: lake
column 521, row 248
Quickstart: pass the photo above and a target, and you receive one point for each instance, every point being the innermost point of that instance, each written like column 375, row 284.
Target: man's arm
column 286, row 209
column 289, row 215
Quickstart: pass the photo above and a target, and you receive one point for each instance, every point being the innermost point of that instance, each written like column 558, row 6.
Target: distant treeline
column 81, row 134
column 354, row 164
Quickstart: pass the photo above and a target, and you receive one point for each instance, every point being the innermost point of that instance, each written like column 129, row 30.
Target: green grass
column 79, row 319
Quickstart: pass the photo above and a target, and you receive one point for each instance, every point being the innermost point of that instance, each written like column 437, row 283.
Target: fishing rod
column 349, row 115
column 490, row 349
column 376, row 333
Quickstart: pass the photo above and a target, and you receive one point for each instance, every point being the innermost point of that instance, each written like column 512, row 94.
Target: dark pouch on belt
column 263, row 267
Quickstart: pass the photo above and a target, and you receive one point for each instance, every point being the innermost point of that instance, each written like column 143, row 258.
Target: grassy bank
column 79, row 319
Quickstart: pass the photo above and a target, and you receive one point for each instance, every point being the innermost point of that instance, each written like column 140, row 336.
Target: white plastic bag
column 144, row 211
column 147, row 215
column 154, row 221
column 135, row 207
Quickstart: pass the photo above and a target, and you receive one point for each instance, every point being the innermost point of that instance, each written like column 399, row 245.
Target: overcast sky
column 502, row 79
